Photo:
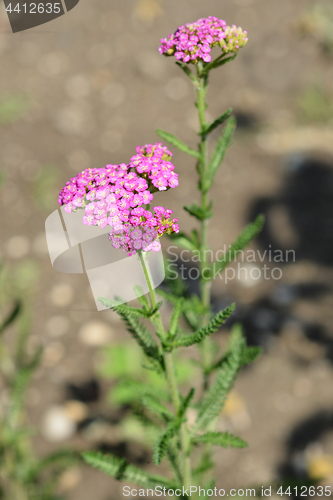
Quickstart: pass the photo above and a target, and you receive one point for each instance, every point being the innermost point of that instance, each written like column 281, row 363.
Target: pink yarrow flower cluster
column 194, row 41
column 116, row 196
column 143, row 235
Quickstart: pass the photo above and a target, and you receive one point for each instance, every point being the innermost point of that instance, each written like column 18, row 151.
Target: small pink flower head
column 194, row 41
column 136, row 233
column 147, row 197
column 160, row 183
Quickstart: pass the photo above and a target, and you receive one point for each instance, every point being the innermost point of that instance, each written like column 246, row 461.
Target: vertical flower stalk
column 171, row 377
column 192, row 45
column 120, row 195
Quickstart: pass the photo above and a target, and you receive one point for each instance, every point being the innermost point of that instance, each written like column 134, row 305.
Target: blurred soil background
column 84, row 91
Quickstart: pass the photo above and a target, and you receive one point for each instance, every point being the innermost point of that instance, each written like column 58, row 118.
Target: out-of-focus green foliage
column 125, row 363
column 23, row 476
column 13, row 107
column 44, row 187
column 318, row 22
column 315, row 106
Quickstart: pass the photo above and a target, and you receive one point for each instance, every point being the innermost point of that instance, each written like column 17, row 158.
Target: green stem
column 205, row 285
column 170, row 374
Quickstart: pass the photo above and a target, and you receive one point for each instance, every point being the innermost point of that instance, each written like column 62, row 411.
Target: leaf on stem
column 175, row 316
column 11, row 317
column 155, row 406
column 186, row 70
column 182, row 240
column 199, row 212
column 133, row 311
column 220, row 150
column 138, row 290
column 186, row 402
column 225, row 61
column 221, row 119
column 207, row 330
column 248, row 234
column 174, row 141
column 121, row 470
column 139, row 333
column 224, row 439
column 226, row 375
column 162, row 442
column 250, row 354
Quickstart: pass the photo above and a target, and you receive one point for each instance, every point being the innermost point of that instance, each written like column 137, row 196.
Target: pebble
column 53, row 354
column 61, row 295
column 56, row 425
column 76, row 411
column 57, row 326
column 248, row 275
column 17, row 247
column 78, row 86
column 69, row 479
column 147, row 10
column 95, row 333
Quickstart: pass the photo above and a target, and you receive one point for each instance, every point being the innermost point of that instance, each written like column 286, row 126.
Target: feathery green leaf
column 139, row 333
column 155, row 406
column 186, row 69
column 199, row 212
column 221, row 119
column 174, row 141
column 219, row 151
column 138, row 290
column 248, row 234
column 226, row 375
column 176, row 314
column 11, row 317
column 186, row 402
column 223, row 439
column 121, row 470
column 161, row 445
column 250, row 354
column 182, row 240
column 212, row 327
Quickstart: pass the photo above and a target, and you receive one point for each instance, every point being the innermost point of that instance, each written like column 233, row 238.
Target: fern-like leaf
column 161, row 445
column 155, row 406
column 207, row 330
column 224, row 439
column 221, row 119
column 174, row 141
column 11, row 317
column 199, row 212
column 226, row 375
column 249, row 233
column 176, row 314
column 121, row 470
column 139, row 333
column 220, row 150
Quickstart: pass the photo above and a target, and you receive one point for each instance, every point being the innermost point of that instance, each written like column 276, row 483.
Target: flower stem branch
column 170, row 375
